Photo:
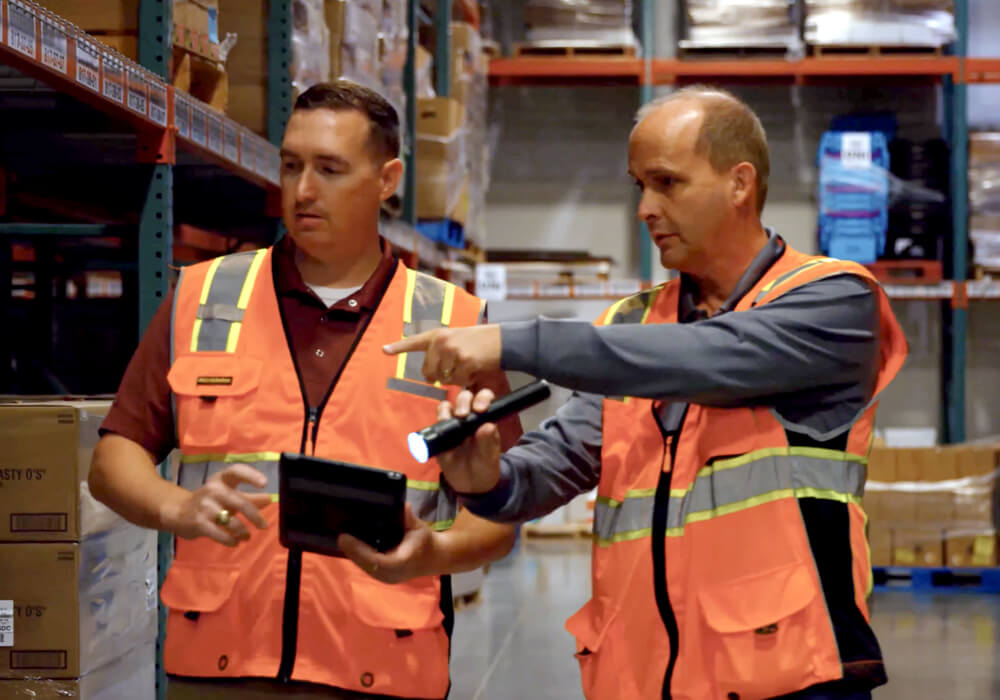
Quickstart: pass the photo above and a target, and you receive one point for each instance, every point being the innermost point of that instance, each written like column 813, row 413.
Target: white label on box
column 137, row 90
column 54, row 47
column 158, row 103
column 198, row 126
column 856, row 149
column 6, row 623
column 182, row 116
column 491, row 282
column 215, row 134
column 88, row 65
column 114, row 79
column 21, row 29
column 232, row 142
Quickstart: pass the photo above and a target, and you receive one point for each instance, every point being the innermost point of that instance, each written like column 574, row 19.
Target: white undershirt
column 331, row 295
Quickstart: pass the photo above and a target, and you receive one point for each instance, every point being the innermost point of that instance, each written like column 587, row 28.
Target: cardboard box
column 78, row 606
column 125, row 44
column 335, row 17
column 131, row 677
column 970, row 550
column 902, row 505
column 936, row 464
column 44, row 463
column 98, row 15
column 439, row 116
column 917, row 546
column 248, row 106
column 880, row 543
column 247, row 62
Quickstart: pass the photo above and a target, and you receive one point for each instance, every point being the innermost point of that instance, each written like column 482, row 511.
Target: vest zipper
column 310, row 433
column 661, row 505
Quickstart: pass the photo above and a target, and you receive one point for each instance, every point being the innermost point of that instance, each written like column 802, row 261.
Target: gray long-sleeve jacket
column 812, row 354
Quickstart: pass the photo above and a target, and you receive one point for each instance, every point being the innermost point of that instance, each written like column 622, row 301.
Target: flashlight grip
column 515, row 401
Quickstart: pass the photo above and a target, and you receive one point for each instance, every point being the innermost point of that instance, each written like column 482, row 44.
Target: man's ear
column 744, row 184
column 392, row 173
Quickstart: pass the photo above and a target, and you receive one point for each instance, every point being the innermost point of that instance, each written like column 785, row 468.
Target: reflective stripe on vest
column 781, row 279
column 428, row 501
column 427, row 306
column 224, row 297
column 732, row 485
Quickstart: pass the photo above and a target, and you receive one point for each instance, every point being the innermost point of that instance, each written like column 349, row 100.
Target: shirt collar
column 288, row 279
column 687, row 309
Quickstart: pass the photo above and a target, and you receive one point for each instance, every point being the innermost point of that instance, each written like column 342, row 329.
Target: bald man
column 725, row 419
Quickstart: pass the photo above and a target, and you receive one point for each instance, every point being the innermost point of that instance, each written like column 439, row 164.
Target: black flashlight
column 450, row 433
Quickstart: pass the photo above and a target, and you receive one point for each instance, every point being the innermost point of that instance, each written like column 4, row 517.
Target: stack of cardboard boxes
column 196, row 66
column 984, row 198
column 933, row 506
column 452, row 150
column 78, row 586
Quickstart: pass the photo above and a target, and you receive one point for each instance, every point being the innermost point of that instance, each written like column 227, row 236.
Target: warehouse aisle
column 511, row 645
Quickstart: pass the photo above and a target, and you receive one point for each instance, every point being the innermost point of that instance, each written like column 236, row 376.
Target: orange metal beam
column 565, row 67
column 982, row 70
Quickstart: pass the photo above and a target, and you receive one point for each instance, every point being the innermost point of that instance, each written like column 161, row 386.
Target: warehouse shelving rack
column 953, row 72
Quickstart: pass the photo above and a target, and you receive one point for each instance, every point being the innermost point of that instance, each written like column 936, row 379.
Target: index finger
column 237, row 474
column 415, row 343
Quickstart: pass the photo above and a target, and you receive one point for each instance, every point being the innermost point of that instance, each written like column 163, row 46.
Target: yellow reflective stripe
column 827, row 495
column 449, row 300
column 649, row 303
column 205, row 287
column 251, row 278
column 248, row 283
column 743, row 460
column 441, row 525
column 423, row 485
column 411, row 281
column 624, row 537
column 631, row 493
column 737, row 506
column 614, row 310
column 231, row 457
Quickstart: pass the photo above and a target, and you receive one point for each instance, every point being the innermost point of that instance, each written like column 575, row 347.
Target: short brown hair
column 344, row 94
column 730, row 133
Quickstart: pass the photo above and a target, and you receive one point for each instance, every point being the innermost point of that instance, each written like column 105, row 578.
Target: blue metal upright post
column 410, row 138
column 442, row 50
column 155, row 245
column 645, row 95
column 279, row 75
column 955, row 326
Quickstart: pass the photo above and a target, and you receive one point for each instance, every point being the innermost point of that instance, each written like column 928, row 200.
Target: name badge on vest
column 214, row 381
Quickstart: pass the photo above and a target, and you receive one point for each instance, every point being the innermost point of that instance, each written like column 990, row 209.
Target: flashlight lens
column 418, row 447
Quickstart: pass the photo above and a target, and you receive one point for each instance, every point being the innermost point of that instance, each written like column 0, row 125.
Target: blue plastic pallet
column 937, row 579
column 445, row 231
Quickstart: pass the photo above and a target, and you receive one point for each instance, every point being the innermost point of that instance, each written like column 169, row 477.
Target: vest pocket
column 760, row 638
column 213, row 392
column 395, row 607
column 600, row 638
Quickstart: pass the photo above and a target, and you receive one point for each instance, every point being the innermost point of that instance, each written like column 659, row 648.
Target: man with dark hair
column 279, row 350
column 725, row 419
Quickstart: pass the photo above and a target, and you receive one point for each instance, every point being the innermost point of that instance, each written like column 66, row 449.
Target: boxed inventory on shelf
column 733, row 24
column 579, row 22
column 440, row 158
column 933, row 506
column 101, row 16
column 78, row 606
column 917, row 23
column 132, row 676
column 43, row 469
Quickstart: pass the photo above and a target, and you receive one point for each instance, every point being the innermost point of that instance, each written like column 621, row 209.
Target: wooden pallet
column 865, row 50
column 557, row 530
column 492, row 48
column 573, row 50
column 702, row 53
column 907, row 271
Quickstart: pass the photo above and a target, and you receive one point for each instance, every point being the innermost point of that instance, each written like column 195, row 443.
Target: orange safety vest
column 252, row 610
column 704, row 583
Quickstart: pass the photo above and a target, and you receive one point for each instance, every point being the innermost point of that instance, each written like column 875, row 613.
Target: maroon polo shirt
column 321, row 339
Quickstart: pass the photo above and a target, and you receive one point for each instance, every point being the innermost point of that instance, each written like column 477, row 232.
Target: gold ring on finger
column 224, row 517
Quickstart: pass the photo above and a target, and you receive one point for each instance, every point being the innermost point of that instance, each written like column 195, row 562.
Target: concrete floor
column 511, row 644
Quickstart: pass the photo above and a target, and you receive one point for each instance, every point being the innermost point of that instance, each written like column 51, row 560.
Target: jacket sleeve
column 819, row 336
column 549, row 466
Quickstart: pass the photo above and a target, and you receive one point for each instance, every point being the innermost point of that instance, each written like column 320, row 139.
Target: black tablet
column 320, row 498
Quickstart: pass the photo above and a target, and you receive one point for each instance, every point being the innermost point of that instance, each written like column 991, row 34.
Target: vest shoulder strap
column 632, row 309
